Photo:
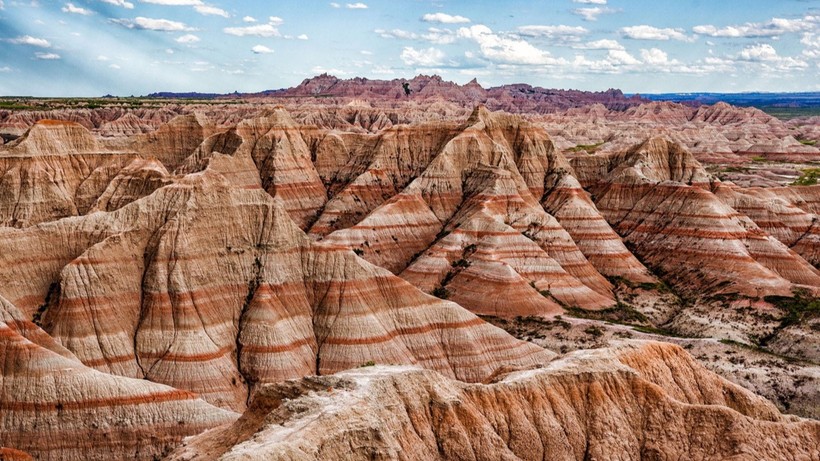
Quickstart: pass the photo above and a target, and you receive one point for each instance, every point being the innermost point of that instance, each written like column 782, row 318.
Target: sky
column 136, row 47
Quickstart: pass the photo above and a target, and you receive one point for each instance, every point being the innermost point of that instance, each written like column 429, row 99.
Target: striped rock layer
column 54, row 407
column 162, row 290
column 661, row 202
column 646, row 400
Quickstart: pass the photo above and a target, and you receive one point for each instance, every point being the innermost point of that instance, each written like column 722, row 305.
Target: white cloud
column 591, row 14
column 654, row 56
column 2, row 6
column 4, row 69
column 302, row 37
column 505, row 49
column 444, row 18
column 258, row 30
column 249, row 19
column 356, row 6
column 559, row 32
column 593, row 2
column 115, row 66
column 812, row 43
column 644, row 32
column 760, row 52
column 29, row 40
column 397, row 33
column 261, row 49
column 603, row 44
column 366, row 52
column 47, row 56
column 335, row 5
column 174, row 2
column 275, row 20
column 423, row 58
column 70, row 8
column 772, row 28
column 122, row 3
column 187, row 38
column 159, row 24
column 211, row 10
column 766, row 54
column 622, row 57
column 102, row 58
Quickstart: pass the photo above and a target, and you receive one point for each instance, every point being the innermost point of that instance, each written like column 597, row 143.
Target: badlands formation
column 361, row 276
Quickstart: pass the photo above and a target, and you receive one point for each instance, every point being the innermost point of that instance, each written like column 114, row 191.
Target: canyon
column 343, row 271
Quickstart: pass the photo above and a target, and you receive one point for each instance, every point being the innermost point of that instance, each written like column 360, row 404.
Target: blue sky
column 124, row 47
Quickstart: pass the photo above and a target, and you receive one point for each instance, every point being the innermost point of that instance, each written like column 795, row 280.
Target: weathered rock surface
column 54, row 407
column 639, row 401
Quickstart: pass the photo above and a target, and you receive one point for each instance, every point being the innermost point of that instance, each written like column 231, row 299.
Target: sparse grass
column 588, row 148
column 758, row 158
column 369, row 363
column 808, row 177
column 807, row 142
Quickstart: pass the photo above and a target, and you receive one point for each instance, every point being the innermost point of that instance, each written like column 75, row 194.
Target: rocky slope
column 178, row 272
column 640, row 401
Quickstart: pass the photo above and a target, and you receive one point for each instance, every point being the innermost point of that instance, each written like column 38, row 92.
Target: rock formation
column 635, row 402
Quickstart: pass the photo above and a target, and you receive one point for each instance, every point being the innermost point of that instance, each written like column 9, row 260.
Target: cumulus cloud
column 559, row 32
column 31, row 41
column 122, row 3
column 759, row 52
column 765, row 54
column 257, row 30
column 163, row 25
column 261, row 49
column 211, row 10
column 591, row 14
column 335, row 5
column 47, row 56
column 302, row 37
column 444, row 18
column 505, row 49
column 356, row 6
column 645, row 32
column 603, row 44
column 71, row 8
column 654, row 56
column 249, row 19
column 423, row 58
column 772, row 28
column 187, row 39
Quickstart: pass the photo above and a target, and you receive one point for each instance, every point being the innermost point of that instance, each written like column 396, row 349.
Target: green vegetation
column 788, row 113
column 798, row 307
column 808, row 177
column 369, row 363
column 588, row 148
column 758, row 158
column 807, row 142
column 440, row 292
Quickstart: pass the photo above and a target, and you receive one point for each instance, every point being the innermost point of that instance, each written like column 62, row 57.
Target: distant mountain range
column 512, row 98
column 755, row 99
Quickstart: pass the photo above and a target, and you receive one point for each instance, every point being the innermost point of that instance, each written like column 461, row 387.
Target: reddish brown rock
column 634, row 402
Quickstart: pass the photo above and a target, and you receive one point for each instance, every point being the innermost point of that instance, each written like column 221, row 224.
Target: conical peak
column 480, row 114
